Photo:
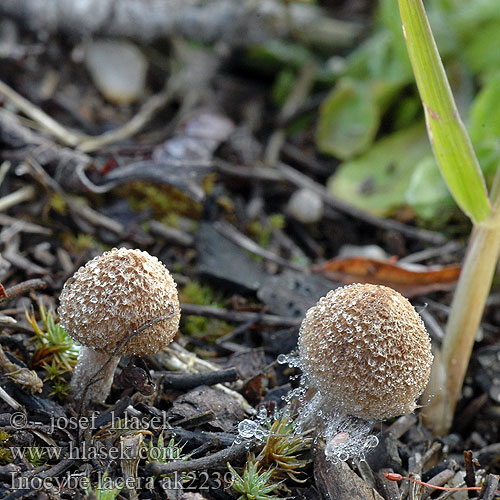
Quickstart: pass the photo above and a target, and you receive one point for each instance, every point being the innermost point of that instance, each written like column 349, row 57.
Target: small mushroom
column 367, row 352
column 104, row 302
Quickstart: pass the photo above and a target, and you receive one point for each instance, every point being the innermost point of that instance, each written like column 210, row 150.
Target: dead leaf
column 409, row 280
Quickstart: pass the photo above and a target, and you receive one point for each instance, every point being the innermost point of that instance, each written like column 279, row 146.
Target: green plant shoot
column 460, row 169
column 448, row 136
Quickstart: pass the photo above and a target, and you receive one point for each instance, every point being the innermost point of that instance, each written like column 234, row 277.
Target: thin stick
column 25, row 286
column 301, row 180
column 25, row 193
column 218, row 459
column 393, row 476
column 83, row 142
column 232, row 234
column 239, row 316
column 134, row 125
column 35, row 113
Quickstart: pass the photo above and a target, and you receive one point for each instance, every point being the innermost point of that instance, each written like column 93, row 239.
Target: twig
column 299, row 157
column 196, row 420
column 257, row 173
column 77, row 208
column 301, row 180
column 7, row 323
column 440, row 479
column 429, row 253
column 470, row 473
column 12, row 255
column 181, row 359
column 7, row 398
column 4, row 170
column 26, row 193
column 9, row 471
column 83, row 142
column 197, row 438
column 435, row 447
column 238, row 330
column 402, row 424
column 23, row 226
column 171, row 234
column 25, row 286
column 186, row 381
column 239, row 316
column 232, row 234
column 35, row 113
column 218, row 459
column 490, row 487
column 134, row 125
column 435, row 330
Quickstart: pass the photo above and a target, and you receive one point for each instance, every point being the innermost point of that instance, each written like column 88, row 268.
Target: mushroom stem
column 89, row 363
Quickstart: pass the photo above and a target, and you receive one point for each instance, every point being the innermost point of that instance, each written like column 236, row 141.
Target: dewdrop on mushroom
column 366, row 352
column 105, row 301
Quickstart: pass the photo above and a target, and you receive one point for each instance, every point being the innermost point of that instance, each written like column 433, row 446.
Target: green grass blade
column 450, row 142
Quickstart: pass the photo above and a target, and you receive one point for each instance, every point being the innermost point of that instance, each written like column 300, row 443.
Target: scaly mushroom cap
column 366, row 350
column 116, row 293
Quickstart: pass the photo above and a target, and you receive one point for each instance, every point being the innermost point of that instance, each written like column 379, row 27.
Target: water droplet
column 282, row 359
column 247, row 428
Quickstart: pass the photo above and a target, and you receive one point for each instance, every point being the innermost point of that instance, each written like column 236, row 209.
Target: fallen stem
column 394, row 476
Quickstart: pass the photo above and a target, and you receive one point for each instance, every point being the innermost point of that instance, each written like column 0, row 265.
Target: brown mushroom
column 367, row 352
column 108, row 299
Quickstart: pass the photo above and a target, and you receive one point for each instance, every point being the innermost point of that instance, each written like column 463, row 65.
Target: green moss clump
column 5, row 453
column 166, row 202
column 202, row 295
column 262, row 231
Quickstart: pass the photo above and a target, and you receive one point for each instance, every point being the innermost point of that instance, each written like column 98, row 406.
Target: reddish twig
column 394, row 476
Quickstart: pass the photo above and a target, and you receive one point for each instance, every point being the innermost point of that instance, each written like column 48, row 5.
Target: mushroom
column 366, row 351
column 104, row 302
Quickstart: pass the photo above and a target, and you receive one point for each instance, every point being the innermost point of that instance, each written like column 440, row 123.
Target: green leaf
column 484, row 119
column 378, row 180
column 427, row 193
column 481, row 52
column 348, row 120
column 377, row 59
column 282, row 87
column 451, row 144
column 275, row 55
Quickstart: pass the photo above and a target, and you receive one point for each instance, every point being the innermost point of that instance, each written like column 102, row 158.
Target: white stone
column 118, row 69
column 306, row 206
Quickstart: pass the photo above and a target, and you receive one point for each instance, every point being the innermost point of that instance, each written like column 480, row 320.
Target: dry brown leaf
column 408, row 280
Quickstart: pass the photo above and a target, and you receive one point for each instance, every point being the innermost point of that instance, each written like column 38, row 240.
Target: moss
column 5, row 453
column 51, row 341
column 262, row 231
column 58, row 204
column 36, row 456
column 78, row 243
column 4, row 437
column 202, row 295
column 5, row 456
column 167, row 203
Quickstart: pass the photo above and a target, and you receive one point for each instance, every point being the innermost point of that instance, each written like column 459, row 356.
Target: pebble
column 118, row 69
column 306, row 206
